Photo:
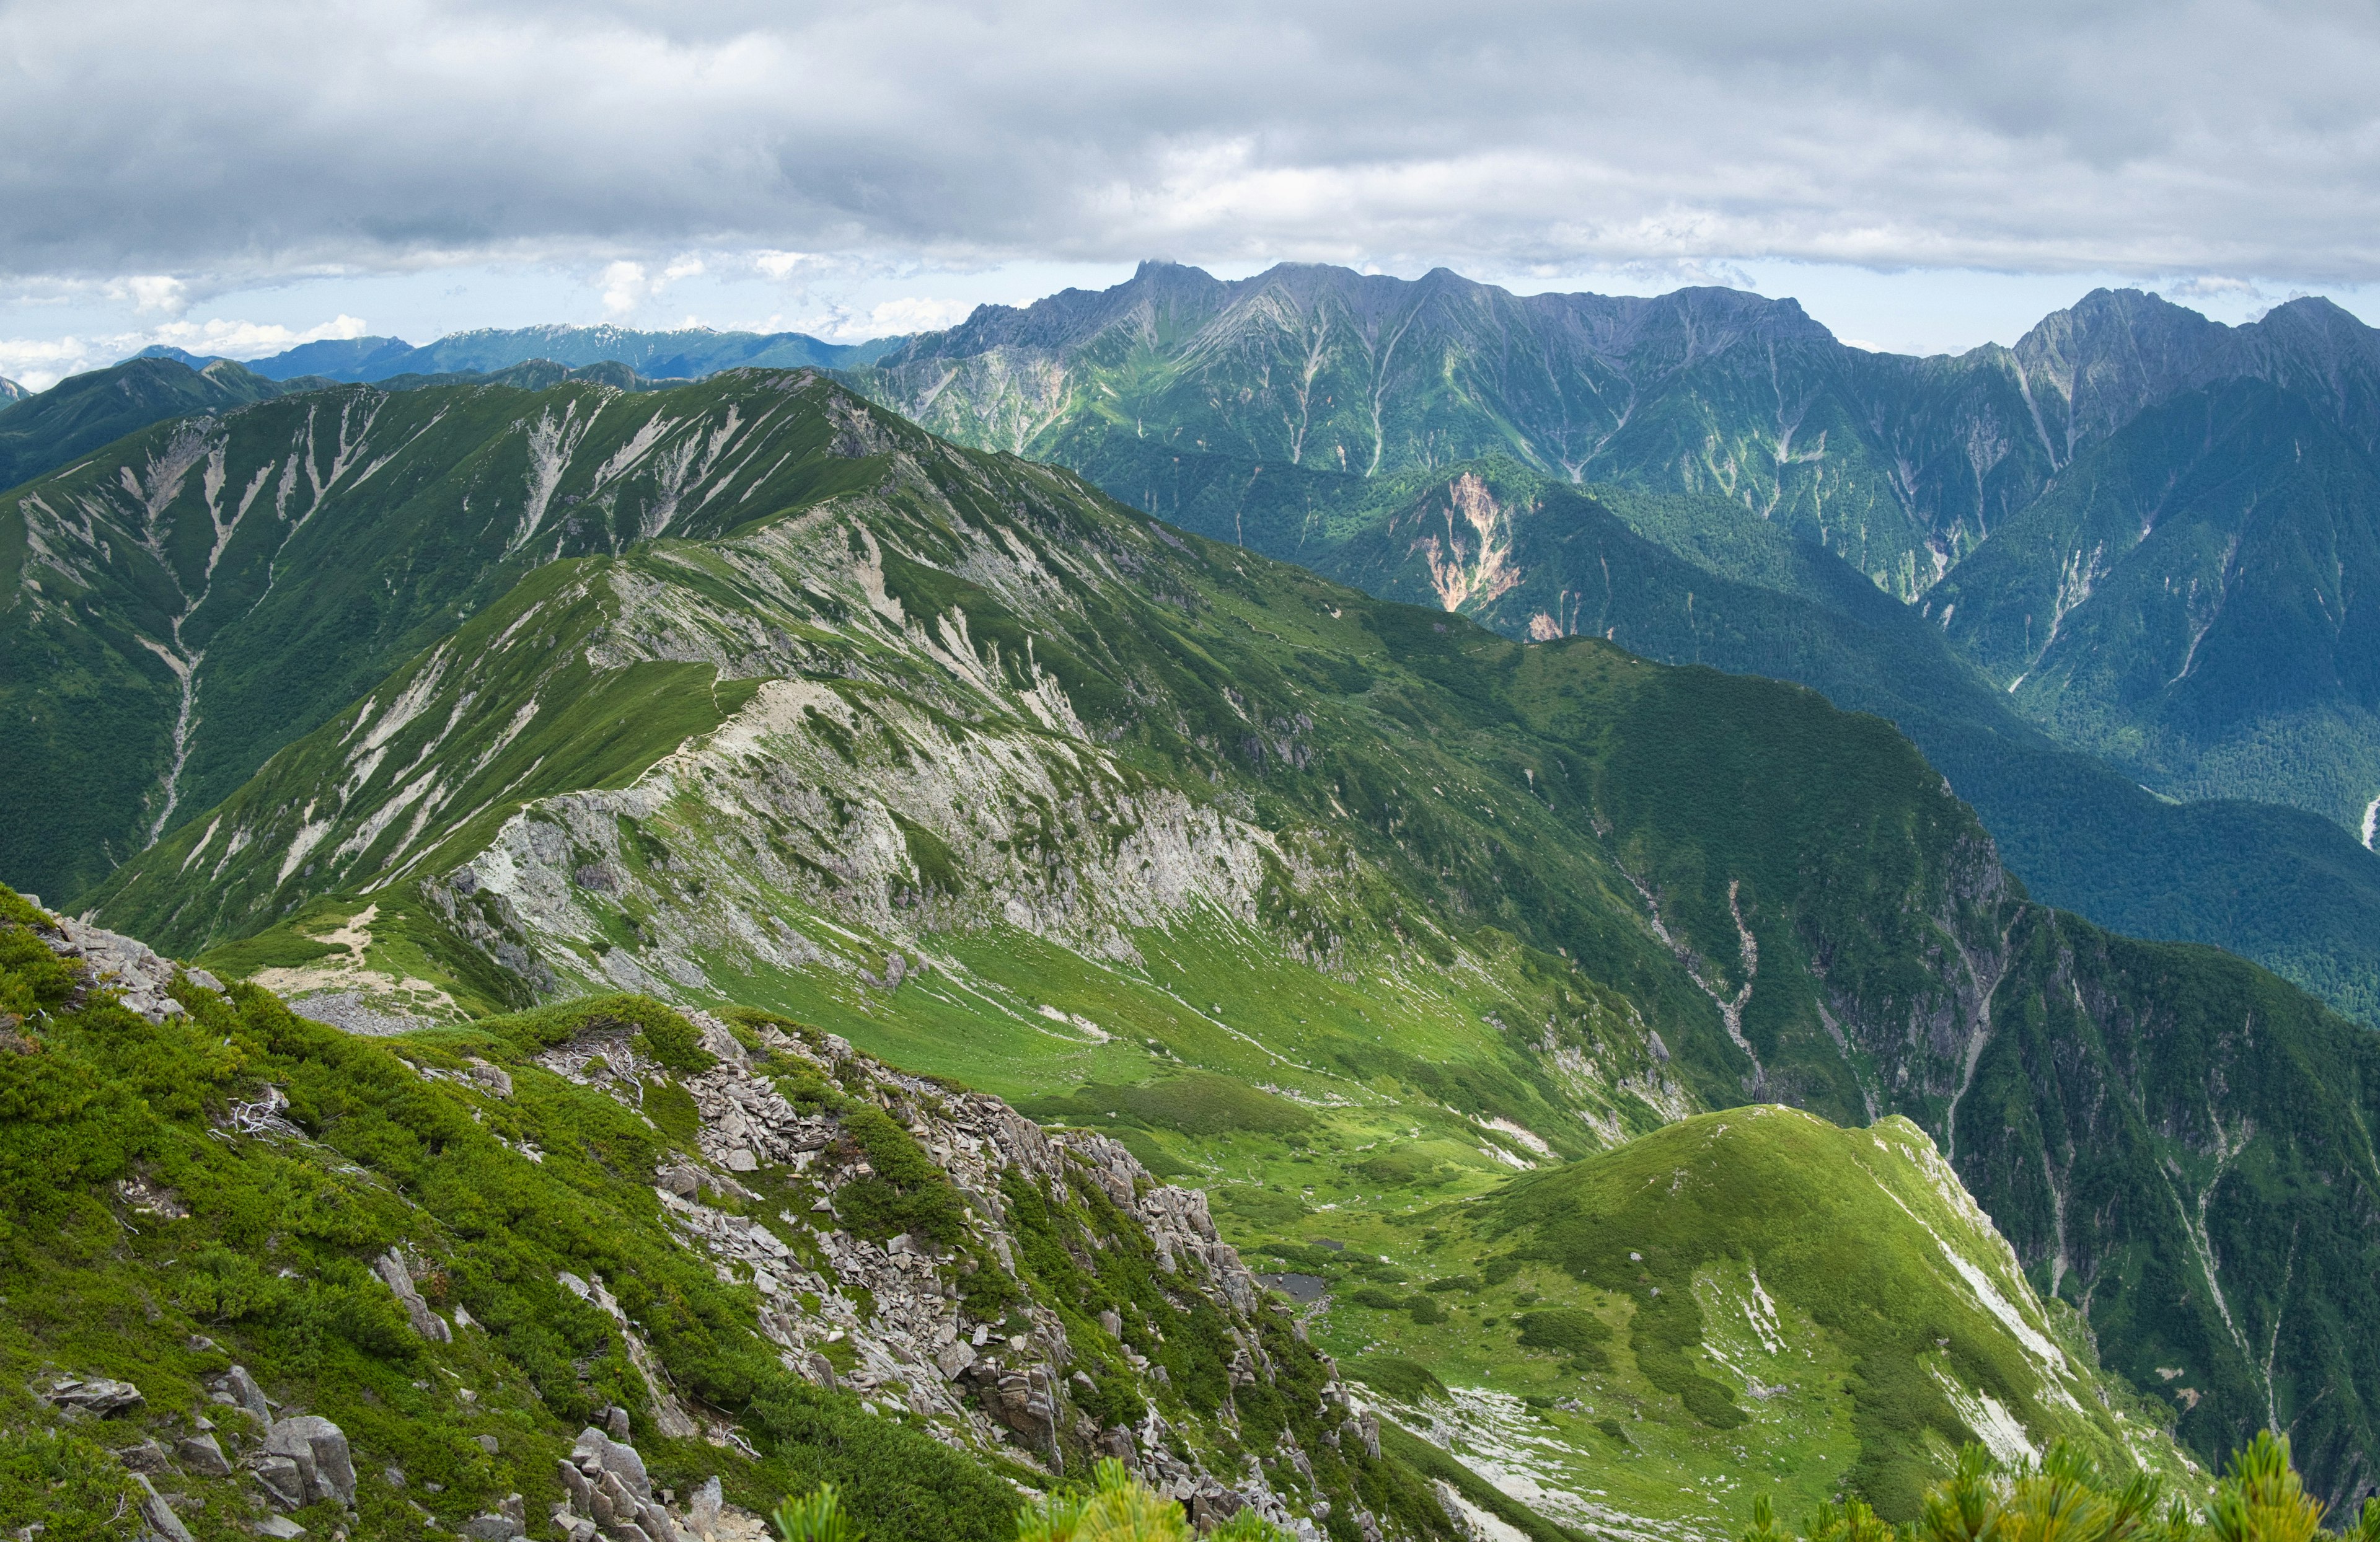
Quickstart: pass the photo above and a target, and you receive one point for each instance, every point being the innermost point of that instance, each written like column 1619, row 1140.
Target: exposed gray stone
column 202, row 1455
column 98, row 1395
column 397, row 1275
column 319, row 1447
column 246, row 1393
column 279, row 1476
column 596, row 1453
column 159, row 1514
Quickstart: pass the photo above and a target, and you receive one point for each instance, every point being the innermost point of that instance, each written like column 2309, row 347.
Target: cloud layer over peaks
column 204, row 137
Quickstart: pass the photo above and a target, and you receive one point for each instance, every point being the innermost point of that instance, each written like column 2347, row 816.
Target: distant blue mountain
column 348, row 359
column 687, row 354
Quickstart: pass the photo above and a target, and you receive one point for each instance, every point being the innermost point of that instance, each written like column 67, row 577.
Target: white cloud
column 149, row 292
column 784, row 264
column 41, row 363
column 911, row 314
column 625, row 287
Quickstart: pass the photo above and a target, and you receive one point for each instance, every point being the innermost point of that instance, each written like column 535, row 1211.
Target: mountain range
column 750, row 692
column 1641, row 1081
column 688, row 353
column 2152, row 530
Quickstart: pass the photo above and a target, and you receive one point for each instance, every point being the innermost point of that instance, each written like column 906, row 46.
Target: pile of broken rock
column 610, row 1494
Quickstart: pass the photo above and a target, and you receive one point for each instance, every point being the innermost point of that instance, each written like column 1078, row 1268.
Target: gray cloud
column 200, row 138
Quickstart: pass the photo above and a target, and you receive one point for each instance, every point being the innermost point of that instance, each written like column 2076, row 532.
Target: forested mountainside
column 2157, row 531
column 1697, row 580
column 1351, row 900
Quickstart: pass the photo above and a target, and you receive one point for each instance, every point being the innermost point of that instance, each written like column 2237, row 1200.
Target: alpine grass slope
column 726, row 1259
column 1338, row 904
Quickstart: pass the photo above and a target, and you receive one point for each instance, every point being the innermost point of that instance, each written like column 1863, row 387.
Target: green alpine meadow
column 590, row 957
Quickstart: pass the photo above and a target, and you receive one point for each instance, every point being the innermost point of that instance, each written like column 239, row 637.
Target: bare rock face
column 394, row 1270
column 98, row 1395
column 201, row 1454
column 317, row 1448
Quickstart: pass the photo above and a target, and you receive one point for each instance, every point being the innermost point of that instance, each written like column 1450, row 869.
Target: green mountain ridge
column 154, row 657
column 1696, row 580
column 2012, row 492
column 946, row 754
column 42, row 430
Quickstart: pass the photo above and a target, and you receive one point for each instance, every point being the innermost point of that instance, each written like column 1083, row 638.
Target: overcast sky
column 237, row 176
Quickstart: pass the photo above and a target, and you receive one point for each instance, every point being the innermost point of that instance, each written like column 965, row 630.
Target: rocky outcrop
column 304, row 1461
column 610, row 1494
column 886, row 1317
column 137, row 973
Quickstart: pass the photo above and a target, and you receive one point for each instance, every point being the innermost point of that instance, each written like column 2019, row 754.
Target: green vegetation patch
column 1196, row 1103
column 1824, row 1218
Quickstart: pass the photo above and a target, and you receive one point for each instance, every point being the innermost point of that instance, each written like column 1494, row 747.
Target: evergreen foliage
column 2065, row 1496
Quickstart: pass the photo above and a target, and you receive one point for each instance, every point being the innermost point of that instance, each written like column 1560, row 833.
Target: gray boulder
column 159, row 1515
column 202, row 1455
column 597, row 1453
column 319, row 1447
column 241, row 1388
column 98, row 1395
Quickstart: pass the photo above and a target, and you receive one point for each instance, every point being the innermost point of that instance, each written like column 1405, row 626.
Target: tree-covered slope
column 2195, row 601
column 2125, row 475
column 1689, row 579
column 947, row 754
column 44, row 431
